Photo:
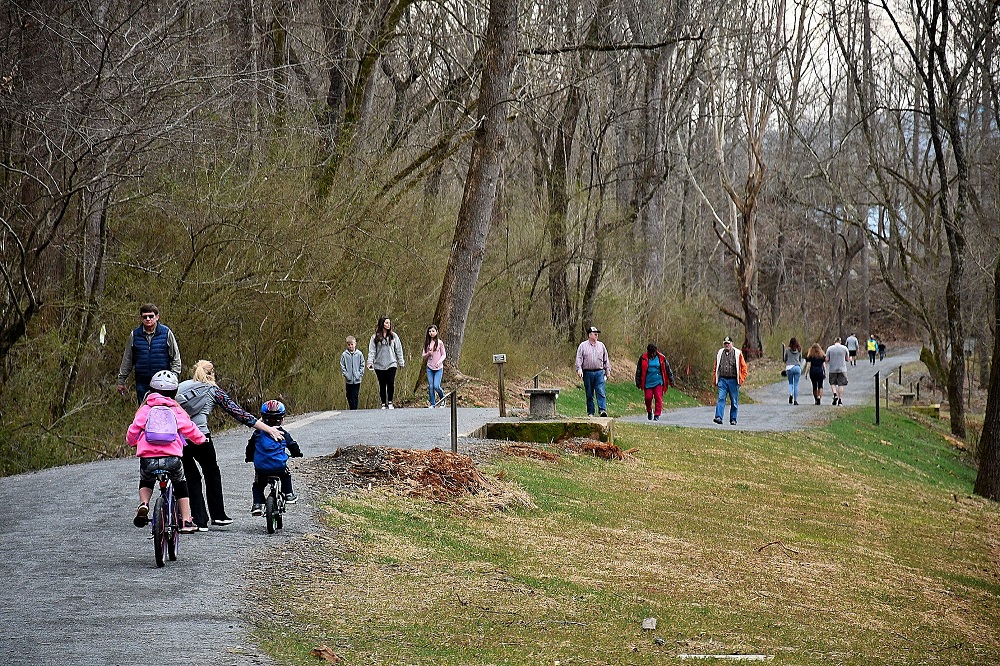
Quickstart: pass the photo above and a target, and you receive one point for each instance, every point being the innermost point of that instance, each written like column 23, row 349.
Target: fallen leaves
column 606, row 450
column 324, row 652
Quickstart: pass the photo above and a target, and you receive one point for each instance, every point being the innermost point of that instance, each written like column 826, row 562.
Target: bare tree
column 742, row 82
column 988, row 478
column 478, row 202
column 93, row 92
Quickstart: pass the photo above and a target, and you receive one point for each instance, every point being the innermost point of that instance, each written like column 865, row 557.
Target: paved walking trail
column 770, row 410
column 79, row 585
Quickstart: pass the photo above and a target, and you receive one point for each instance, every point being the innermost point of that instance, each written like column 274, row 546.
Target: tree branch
column 604, row 48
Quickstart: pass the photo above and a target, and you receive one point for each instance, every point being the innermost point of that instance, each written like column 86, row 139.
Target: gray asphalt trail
column 770, row 411
column 79, row 584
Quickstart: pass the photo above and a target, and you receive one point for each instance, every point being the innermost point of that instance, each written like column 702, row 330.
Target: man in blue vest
column 151, row 347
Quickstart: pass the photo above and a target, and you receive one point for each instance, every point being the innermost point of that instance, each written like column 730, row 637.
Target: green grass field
column 845, row 545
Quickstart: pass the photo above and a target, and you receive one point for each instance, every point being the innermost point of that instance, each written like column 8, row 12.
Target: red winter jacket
column 642, row 366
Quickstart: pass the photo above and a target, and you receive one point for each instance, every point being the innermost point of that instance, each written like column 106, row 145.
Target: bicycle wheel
column 174, row 531
column 279, row 509
column 270, row 513
column 159, row 529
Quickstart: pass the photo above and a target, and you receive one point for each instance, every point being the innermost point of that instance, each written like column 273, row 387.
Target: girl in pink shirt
column 434, row 354
column 163, row 452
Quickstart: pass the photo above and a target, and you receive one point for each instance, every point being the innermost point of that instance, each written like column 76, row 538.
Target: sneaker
column 789, row 400
column 649, row 416
column 390, row 406
column 604, row 414
column 189, row 527
column 222, row 521
column 834, row 400
column 141, row 515
column 384, row 407
column 817, row 401
column 431, row 406
column 717, row 420
column 203, row 528
column 656, row 418
column 291, row 498
column 256, row 510
column 732, row 421
column 796, row 402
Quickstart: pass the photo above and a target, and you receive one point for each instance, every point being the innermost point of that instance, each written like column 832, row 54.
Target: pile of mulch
column 526, row 451
column 436, row 475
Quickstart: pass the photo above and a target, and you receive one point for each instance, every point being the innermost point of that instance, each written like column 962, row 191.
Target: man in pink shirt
column 594, row 367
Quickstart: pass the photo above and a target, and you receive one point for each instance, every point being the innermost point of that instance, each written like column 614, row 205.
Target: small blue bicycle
column 166, row 519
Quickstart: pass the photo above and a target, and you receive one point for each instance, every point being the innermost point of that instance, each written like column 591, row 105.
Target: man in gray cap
column 594, row 367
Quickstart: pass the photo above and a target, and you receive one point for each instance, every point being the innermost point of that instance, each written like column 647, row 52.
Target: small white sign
column 499, row 358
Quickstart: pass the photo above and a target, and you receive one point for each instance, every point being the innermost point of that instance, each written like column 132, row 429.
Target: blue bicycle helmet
column 272, row 411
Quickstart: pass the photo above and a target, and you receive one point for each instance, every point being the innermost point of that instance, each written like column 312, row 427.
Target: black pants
column 352, row 395
column 386, row 384
column 204, row 455
column 260, row 482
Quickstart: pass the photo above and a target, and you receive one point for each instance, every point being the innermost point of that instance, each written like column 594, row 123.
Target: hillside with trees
column 277, row 174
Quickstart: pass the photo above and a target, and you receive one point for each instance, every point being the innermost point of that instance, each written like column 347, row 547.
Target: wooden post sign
column 500, row 359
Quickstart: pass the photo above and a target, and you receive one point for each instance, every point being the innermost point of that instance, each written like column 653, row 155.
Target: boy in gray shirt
column 352, row 366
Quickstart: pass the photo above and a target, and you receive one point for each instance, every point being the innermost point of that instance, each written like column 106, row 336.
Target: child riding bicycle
column 158, row 432
column 269, row 457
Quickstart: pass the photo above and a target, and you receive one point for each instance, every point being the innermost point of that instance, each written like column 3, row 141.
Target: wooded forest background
column 276, row 174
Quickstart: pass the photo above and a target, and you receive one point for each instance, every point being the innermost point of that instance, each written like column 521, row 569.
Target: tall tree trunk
column 988, row 478
column 279, row 61
column 335, row 15
column 474, row 216
column 359, row 95
column 90, row 284
column 650, row 224
column 946, row 117
column 559, row 308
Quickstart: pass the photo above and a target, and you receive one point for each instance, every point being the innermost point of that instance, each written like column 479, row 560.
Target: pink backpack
column 161, row 425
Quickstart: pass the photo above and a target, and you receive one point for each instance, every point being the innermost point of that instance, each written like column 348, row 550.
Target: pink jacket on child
column 435, row 358
column 186, row 429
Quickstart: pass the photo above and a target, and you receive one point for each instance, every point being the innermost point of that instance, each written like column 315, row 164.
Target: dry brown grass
column 793, row 546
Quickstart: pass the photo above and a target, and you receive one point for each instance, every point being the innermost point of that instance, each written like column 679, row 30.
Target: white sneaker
column 384, row 407
column 390, row 406
column 431, row 406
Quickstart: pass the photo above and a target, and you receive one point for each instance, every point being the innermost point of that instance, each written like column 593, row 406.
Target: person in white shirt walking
column 852, row 347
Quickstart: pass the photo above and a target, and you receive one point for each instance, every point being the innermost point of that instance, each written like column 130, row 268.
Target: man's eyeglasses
column 149, row 316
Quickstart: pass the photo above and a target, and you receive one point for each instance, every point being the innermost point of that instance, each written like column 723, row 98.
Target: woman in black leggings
column 385, row 355
column 816, row 362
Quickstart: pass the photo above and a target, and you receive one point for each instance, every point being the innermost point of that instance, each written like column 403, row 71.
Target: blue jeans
column 793, row 381
column 730, row 387
column 434, row 384
column 593, row 382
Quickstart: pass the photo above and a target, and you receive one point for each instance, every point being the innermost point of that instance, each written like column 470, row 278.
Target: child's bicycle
column 274, row 504
column 166, row 519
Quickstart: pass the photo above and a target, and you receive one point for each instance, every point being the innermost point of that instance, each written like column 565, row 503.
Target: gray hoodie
column 386, row 354
column 352, row 365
